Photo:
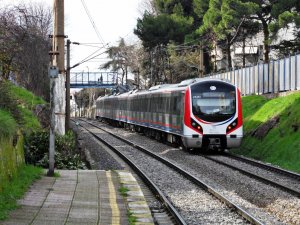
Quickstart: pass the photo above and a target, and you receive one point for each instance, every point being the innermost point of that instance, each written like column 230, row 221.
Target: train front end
column 212, row 116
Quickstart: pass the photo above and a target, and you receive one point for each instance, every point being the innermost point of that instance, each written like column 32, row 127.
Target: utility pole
column 52, row 128
column 59, row 61
column 57, row 84
column 201, row 63
column 68, row 87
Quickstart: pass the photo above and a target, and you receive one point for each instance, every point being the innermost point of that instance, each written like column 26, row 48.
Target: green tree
column 224, row 20
column 160, row 30
column 287, row 15
column 273, row 15
column 173, row 23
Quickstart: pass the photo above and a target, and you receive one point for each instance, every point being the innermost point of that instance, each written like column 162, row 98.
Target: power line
column 92, row 22
column 90, row 57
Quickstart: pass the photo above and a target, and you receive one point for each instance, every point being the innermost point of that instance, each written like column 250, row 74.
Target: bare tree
column 147, row 6
column 119, row 59
column 24, row 46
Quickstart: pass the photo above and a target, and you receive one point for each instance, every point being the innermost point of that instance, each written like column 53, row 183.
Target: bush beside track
column 272, row 130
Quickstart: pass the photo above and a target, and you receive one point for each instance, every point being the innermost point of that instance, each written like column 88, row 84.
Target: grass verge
column 15, row 189
column 281, row 143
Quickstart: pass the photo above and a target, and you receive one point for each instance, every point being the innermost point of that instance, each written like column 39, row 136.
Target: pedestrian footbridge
column 94, row 79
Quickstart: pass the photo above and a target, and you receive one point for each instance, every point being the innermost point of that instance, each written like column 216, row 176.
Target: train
column 196, row 113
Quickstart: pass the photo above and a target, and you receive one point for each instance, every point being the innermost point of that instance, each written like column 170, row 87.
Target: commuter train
column 197, row 114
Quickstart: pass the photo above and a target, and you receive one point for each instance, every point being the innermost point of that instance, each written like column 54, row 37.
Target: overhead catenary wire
column 92, row 22
column 88, row 59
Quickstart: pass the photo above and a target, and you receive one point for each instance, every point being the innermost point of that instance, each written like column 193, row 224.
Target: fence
column 273, row 77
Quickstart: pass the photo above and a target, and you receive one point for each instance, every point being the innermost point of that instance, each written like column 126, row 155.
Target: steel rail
column 255, row 176
column 248, row 216
column 265, row 166
column 157, row 192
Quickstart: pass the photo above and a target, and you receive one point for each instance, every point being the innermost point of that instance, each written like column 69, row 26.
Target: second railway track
column 286, row 181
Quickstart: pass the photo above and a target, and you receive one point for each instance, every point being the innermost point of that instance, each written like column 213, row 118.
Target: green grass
column 20, row 103
column 8, row 125
column 131, row 219
column 281, row 146
column 123, row 191
column 29, row 120
column 26, row 97
column 16, row 188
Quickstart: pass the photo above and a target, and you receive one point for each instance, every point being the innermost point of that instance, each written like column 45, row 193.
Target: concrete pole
column 68, row 87
column 52, row 129
column 56, row 107
column 59, row 61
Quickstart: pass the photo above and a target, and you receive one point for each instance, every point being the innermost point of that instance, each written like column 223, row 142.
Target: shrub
column 66, row 156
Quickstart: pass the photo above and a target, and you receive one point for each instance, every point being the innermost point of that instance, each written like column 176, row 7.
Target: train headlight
column 232, row 125
column 196, row 125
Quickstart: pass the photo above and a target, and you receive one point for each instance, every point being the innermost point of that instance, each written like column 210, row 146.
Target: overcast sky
column 113, row 19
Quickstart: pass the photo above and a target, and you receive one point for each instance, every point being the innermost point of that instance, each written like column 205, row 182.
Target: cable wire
column 93, row 23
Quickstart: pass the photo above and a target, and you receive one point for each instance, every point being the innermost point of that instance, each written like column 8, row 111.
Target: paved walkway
column 78, row 198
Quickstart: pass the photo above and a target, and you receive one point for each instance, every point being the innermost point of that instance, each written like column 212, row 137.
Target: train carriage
column 197, row 113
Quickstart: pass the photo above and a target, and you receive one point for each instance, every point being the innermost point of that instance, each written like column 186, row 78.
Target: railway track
column 268, row 167
column 209, row 190
column 282, row 179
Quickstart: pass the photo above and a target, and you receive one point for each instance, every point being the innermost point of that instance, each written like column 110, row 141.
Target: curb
column 135, row 199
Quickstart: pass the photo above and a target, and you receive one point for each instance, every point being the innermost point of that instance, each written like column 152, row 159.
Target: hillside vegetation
column 272, row 130
column 16, row 120
column 17, row 105
column 24, row 144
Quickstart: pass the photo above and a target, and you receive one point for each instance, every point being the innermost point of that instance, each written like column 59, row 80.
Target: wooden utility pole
column 57, row 84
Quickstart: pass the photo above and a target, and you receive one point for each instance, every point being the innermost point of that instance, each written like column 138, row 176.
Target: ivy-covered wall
column 11, row 158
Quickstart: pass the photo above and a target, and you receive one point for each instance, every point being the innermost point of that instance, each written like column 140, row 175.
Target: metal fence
column 273, row 77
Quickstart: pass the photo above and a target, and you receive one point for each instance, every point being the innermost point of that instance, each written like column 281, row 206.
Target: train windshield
column 213, row 101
